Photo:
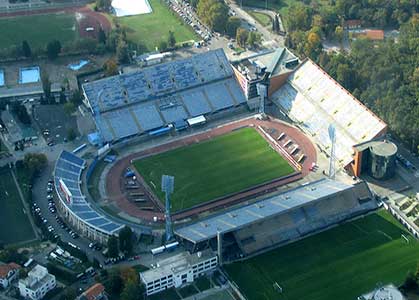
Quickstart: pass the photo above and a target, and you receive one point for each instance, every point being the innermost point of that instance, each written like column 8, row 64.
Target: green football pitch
column 205, row 171
column 14, row 224
column 150, row 29
column 341, row 263
column 38, row 30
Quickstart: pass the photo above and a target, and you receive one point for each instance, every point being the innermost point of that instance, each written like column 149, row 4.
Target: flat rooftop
column 380, row 147
column 265, row 208
column 276, row 62
column 175, row 264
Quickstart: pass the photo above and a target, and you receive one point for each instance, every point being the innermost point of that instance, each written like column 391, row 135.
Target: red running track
column 115, row 189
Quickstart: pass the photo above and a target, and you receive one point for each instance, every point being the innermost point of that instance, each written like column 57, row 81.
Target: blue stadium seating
column 68, row 168
column 196, row 103
column 129, row 104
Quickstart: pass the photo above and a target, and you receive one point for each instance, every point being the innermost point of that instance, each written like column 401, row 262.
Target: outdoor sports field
column 341, row 263
column 150, row 29
column 214, row 168
column 14, row 224
column 38, row 30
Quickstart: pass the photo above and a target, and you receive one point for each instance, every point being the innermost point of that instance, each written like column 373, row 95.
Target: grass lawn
column 262, row 18
column 150, row 29
column 38, row 30
column 14, row 224
column 341, row 263
column 93, row 182
column 205, row 171
column 203, row 283
column 188, row 291
column 3, row 148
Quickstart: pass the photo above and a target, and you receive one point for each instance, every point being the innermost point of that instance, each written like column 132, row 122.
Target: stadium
column 246, row 184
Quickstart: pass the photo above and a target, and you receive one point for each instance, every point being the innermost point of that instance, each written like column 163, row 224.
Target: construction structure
column 376, row 158
column 312, row 99
column 156, row 99
column 278, row 219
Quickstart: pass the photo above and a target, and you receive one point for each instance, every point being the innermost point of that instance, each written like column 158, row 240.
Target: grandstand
column 282, row 218
column 312, row 98
column 154, row 97
column 67, row 173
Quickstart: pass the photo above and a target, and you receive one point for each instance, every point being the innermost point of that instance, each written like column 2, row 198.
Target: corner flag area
column 341, row 263
column 214, row 168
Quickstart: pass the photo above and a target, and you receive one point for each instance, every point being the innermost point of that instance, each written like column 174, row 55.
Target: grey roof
column 175, row 263
column 68, row 168
column 265, row 208
column 133, row 103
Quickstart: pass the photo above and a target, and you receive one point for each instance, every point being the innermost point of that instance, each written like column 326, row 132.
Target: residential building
column 95, row 292
column 37, row 284
column 8, row 272
column 375, row 35
column 353, row 24
column 178, row 270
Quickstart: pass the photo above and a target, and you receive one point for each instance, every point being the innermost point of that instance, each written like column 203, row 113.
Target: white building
column 37, row 284
column 178, row 270
column 8, row 272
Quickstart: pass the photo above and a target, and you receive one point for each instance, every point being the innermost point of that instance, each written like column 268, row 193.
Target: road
column 270, row 38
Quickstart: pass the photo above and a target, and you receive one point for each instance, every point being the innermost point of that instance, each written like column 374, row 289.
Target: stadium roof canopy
column 265, row 208
column 153, row 97
column 68, row 168
column 316, row 101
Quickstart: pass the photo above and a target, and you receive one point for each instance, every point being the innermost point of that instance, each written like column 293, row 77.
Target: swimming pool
column 1, row 77
column 29, row 75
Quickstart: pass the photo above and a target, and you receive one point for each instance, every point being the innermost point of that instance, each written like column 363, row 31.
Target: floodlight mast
column 332, row 136
column 167, row 186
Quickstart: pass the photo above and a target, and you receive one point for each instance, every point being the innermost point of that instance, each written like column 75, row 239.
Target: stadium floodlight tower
column 167, row 186
column 332, row 136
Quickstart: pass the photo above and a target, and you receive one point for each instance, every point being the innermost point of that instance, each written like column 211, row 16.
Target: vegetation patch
column 14, row 223
column 38, row 30
column 149, row 30
column 341, row 263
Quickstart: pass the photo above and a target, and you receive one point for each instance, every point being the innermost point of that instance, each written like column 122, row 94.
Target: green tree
column 339, row 34
column 69, row 108
column 76, row 97
column 242, row 36
column 162, row 46
column 171, row 40
column 71, row 134
column 69, row 294
column 111, row 67
column 214, row 13
column 122, row 52
column 113, row 250
column 53, row 49
column 126, row 237
column 35, row 162
column 131, row 291
column 232, row 25
column 26, row 49
column 46, row 84
column 275, row 24
column 113, row 283
column 253, row 39
column 101, row 36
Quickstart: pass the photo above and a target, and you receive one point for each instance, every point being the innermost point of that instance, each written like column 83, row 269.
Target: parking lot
column 54, row 122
